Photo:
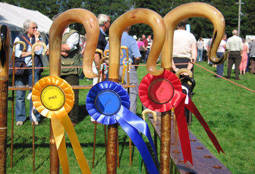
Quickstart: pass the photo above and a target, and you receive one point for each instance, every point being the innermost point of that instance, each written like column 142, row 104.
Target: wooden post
column 91, row 26
column 165, row 145
column 4, row 67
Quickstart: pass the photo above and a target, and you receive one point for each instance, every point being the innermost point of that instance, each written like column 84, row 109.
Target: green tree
column 199, row 26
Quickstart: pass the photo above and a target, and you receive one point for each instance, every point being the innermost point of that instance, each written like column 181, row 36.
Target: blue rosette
column 108, row 103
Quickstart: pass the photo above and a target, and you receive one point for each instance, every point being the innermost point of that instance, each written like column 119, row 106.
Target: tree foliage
column 199, row 26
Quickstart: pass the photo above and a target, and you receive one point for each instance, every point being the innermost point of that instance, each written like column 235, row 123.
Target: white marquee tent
column 14, row 17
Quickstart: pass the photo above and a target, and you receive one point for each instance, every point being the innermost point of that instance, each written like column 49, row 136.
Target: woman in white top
column 220, row 54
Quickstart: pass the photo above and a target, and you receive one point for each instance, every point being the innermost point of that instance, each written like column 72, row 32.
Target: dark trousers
column 74, row 113
column 234, row 58
column 181, row 62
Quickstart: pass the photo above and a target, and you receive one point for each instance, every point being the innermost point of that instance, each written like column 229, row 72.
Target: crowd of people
column 240, row 55
column 186, row 51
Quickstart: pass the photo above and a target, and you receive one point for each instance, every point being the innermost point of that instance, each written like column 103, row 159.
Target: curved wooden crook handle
column 19, row 42
column 39, row 44
column 140, row 15
column 194, row 9
column 90, row 23
column 148, row 111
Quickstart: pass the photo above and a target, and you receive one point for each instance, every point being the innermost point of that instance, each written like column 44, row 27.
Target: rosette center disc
column 53, row 98
column 108, row 102
column 161, row 91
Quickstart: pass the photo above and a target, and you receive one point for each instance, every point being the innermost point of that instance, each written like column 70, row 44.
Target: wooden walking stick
column 154, row 115
column 129, row 18
column 4, row 67
column 13, row 83
column 33, row 82
column 126, row 66
column 100, row 78
column 91, row 26
column 171, row 19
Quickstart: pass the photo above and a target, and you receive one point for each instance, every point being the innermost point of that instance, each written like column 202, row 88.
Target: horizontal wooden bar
column 23, row 88
column 203, row 160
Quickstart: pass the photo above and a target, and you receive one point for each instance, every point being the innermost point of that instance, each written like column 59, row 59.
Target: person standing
column 220, row 53
column 244, row 60
column 104, row 24
column 145, row 43
column 252, row 56
column 184, row 48
column 70, row 56
column 30, row 36
column 234, row 46
column 149, row 39
column 200, row 49
column 140, row 45
column 134, row 54
column 184, row 54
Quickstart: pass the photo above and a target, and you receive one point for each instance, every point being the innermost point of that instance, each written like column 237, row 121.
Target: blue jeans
column 220, row 67
column 26, row 79
column 199, row 55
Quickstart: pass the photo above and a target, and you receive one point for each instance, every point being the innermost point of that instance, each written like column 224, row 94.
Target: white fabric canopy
column 14, row 17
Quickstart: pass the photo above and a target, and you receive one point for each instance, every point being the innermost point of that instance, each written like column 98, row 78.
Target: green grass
column 228, row 110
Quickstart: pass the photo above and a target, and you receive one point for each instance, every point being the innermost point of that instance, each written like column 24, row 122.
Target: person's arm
column 135, row 53
column 97, row 59
column 70, row 44
column 174, row 67
column 18, row 52
column 241, row 46
column 193, row 56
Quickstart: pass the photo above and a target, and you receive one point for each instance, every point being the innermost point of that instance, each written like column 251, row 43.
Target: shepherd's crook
column 91, row 26
column 129, row 18
column 171, row 19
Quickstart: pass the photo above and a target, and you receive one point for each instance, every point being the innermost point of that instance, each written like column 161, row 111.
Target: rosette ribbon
column 53, row 98
column 108, row 102
column 164, row 92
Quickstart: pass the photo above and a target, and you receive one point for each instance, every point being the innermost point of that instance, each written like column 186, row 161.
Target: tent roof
column 14, row 17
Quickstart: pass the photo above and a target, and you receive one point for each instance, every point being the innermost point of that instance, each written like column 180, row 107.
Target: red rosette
column 161, row 93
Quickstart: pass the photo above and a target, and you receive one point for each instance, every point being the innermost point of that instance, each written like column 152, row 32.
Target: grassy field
column 228, row 110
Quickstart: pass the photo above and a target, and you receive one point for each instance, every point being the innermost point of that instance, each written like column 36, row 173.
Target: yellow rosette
column 53, row 98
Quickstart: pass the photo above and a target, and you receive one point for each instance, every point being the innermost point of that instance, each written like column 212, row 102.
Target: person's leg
column 198, row 55
column 201, row 56
column 248, row 63
column 20, row 107
column 35, row 114
column 133, row 91
column 237, row 64
column 146, row 55
column 230, row 64
column 74, row 113
column 220, row 67
column 252, row 70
